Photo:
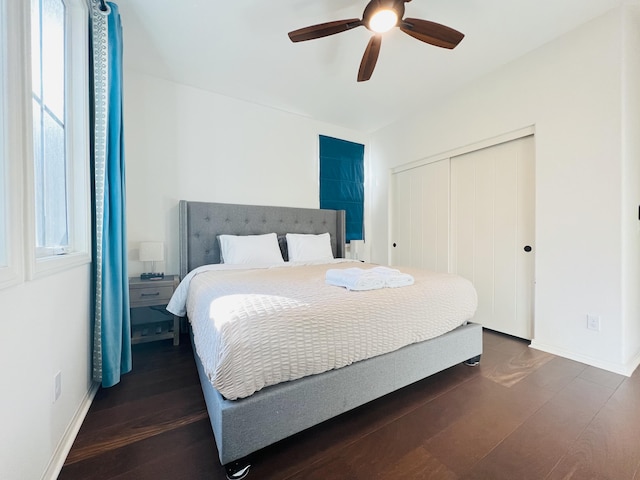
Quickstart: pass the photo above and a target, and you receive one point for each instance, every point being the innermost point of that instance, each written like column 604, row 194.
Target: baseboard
column 622, row 369
column 633, row 364
column 64, row 446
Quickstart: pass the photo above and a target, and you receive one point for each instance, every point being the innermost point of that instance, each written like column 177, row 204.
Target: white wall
column 44, row 323
column 571, row 90
column 631, row 186
column 45, row 329
column 185, row 143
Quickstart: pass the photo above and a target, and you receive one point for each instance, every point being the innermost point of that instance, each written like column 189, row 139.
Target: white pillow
column 307, row 247
column 246, row 249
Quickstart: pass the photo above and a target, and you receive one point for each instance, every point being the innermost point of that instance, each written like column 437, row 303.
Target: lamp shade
column 151, row 252
column 357, row 249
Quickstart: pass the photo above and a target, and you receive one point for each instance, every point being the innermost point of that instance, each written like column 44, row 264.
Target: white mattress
column 255, row 328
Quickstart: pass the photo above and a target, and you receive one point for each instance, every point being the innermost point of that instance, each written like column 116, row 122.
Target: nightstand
column 153, row 293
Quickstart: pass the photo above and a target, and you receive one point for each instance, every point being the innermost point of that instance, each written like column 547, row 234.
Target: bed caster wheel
column 237, row 470
column 473, row 362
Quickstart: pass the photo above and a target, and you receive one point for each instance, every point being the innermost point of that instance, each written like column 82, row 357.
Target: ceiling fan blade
column 369, row 58
column 323, row 29
column 432, row 33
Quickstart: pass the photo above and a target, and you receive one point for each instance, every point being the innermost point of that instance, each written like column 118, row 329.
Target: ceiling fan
column 380, row 16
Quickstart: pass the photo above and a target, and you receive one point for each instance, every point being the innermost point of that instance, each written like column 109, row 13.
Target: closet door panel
column 463, row 217
column 416, row 212
column 483, row 224
column 435, row 218
column 401, row 221
column 505, row 169
column 420, row 223
column 525, row 237
column 492, row 220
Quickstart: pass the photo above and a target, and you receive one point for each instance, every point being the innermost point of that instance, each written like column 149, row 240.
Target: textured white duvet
column 260, row 327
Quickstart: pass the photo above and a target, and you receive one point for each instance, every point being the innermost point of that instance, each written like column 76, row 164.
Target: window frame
column 44, row 262
column 12, row 139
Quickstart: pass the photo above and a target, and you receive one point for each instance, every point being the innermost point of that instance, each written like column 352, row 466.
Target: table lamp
column 151, row 252
column 357, row 249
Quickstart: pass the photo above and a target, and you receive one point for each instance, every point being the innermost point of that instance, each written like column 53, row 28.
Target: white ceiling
column 240, row 48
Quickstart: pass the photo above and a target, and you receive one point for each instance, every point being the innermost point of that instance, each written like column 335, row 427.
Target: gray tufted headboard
column 201, row 222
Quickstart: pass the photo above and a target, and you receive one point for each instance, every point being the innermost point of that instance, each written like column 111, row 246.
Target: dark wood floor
column 522, row 414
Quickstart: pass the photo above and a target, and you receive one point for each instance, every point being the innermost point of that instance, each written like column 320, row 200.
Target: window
column 59, row 96
column 48, row 102
column 342, row 182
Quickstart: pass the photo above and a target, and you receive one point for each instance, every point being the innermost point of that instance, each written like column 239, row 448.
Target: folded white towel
column 394, row 278
column 354, row 278
column 361, row 279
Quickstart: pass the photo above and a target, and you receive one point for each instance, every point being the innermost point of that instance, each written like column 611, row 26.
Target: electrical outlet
column 593, row 322
column 57, row 386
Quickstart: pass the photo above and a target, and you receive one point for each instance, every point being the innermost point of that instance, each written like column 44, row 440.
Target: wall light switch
column 593, row 322
column 57, row 386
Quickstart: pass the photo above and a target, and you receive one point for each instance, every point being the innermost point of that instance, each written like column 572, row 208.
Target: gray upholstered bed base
column 244, row 426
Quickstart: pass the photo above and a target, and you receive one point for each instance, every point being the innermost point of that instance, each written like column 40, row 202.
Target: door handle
column 527, row 248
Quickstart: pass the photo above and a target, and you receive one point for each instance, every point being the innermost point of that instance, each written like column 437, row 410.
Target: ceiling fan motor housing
column 374, row 6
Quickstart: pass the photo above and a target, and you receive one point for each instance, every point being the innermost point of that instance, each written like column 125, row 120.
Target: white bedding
column 259, row 327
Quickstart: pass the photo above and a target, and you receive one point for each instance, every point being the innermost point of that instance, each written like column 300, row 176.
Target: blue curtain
column 112, row 324
column 342, row 182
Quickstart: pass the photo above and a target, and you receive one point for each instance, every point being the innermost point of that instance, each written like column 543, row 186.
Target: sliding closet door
column 420, row 222
column 492, row 232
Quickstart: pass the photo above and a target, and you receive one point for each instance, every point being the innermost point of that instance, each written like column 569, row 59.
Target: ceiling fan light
column 383, row 21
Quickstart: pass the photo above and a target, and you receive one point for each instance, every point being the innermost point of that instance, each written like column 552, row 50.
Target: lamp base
column 151, row 276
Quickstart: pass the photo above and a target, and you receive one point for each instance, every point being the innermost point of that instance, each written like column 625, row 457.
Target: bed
column 246, row 425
